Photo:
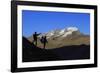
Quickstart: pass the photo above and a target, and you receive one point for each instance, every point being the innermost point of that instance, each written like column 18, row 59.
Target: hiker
column 35, row 38
column 44, row 41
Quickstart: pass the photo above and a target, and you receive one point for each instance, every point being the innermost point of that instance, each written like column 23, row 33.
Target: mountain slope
column 63, row 37
column 72, row 52
column 32, row 53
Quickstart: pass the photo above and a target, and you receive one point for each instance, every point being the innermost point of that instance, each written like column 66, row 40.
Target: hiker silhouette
column 44, row 41
column 35, row 36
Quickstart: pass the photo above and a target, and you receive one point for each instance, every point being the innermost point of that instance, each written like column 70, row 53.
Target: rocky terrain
column 63, row 37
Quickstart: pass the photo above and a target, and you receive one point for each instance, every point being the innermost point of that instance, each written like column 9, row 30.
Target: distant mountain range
column 63, row 37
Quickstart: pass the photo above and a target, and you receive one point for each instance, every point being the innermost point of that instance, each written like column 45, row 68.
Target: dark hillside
column 33, row 53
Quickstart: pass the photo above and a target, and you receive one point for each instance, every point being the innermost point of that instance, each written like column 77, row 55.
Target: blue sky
column 44, row 21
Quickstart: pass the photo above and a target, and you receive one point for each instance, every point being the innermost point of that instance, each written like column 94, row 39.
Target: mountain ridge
column 63, row 37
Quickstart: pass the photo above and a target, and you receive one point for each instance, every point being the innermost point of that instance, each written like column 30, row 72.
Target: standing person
column 35, row 38
column 44, row 41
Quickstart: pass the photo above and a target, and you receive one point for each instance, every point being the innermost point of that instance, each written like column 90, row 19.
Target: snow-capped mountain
column 63, row 37
column 61, row 32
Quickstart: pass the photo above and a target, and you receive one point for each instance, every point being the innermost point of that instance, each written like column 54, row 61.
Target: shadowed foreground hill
column 73, row 52
column 33, row 53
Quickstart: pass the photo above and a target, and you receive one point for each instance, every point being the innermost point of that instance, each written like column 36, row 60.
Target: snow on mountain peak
column 72, row 29
column 61, row 32
column 69, row 31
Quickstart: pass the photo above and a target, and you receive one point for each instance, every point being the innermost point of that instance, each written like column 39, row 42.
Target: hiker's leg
column 44, row 45
column 36, row 42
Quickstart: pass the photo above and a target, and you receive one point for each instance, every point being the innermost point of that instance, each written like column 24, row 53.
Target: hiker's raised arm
column 39, row 34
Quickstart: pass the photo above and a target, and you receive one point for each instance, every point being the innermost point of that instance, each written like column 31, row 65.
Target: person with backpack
column 44, row 41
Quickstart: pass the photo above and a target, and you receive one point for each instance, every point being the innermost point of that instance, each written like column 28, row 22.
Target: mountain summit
column 62, row 32
column 63, row 37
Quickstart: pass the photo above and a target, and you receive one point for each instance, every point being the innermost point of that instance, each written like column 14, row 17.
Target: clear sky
column 44, row 21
